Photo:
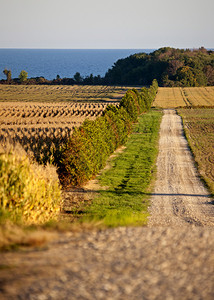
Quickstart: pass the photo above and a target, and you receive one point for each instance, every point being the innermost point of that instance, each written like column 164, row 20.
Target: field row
column 182, row 97
column 42, row 128
column 42, row 118
column 166, row 97
column 60, row 93
column 45, row 110
column 20, row 113
column 199, row 127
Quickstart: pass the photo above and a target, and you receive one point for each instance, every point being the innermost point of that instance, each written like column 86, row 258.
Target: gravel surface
column 179, row 196
column 172, row 258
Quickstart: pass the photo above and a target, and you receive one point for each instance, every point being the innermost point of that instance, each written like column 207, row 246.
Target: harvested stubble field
column 41, row 128
column 183, row 97
column 61, row 93
column 199, row 129
column 42, row 118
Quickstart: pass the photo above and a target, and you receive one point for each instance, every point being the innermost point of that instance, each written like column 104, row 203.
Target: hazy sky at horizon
column 106, row 24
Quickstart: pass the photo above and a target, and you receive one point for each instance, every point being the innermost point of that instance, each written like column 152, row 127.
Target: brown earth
column 172, row 258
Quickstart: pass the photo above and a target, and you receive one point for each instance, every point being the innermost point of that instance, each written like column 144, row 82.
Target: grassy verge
column 125, row 201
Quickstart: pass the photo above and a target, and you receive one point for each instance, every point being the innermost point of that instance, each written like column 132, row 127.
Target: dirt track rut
column 172, row 258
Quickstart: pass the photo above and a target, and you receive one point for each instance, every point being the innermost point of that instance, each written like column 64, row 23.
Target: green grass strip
column 125, row 202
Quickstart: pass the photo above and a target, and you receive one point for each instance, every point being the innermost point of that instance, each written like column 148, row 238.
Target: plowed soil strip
column 179, row 197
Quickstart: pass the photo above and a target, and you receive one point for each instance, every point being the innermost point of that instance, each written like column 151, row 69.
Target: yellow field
column 200, row 96
column 170, row 97
column 60, row 93
column 41, row 128
column 181, row 97
column 42, row 118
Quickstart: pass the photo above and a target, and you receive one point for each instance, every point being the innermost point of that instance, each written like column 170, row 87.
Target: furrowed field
column 199, row 129
column 42, row 118
column 61, row 93
column 41, row 128
column 184, row 97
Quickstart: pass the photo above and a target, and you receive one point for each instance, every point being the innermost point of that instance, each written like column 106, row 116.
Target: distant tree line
column 76, row 79
column 170, row 66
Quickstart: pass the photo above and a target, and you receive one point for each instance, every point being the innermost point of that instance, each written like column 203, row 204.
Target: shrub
column 130, row 104
column 23, row 76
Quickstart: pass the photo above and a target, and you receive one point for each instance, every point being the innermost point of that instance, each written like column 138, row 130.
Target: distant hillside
column 171, row 67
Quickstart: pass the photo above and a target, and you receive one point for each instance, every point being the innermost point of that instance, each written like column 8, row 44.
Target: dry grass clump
column 29, row 193
column 13, row 236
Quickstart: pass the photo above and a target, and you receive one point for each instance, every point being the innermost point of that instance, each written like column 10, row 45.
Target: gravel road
column 179, row 197
column 172, row 258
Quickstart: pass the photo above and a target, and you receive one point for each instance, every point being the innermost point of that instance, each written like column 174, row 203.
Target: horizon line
column 77, row 48
column 31, row 48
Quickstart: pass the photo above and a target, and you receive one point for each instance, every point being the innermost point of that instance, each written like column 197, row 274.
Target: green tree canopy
column 23, row 76
column 170, row 66
column 77, row 77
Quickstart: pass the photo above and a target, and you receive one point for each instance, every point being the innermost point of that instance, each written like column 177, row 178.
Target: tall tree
column 77, row 77
column 23, row 76
column 8, row 74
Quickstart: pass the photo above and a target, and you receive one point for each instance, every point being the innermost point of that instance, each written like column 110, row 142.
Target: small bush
column 131, row 105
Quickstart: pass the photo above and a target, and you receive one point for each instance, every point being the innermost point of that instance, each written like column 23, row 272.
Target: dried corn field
column 183, row 97
column 61, row 93
column 42, row 128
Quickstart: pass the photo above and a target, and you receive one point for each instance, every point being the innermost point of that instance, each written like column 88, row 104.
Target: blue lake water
column 64, row 62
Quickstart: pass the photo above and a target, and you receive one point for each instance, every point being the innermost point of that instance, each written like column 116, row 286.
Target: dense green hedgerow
column 92, row 143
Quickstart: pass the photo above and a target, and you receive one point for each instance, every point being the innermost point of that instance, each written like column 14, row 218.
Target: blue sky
column 106, row 24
